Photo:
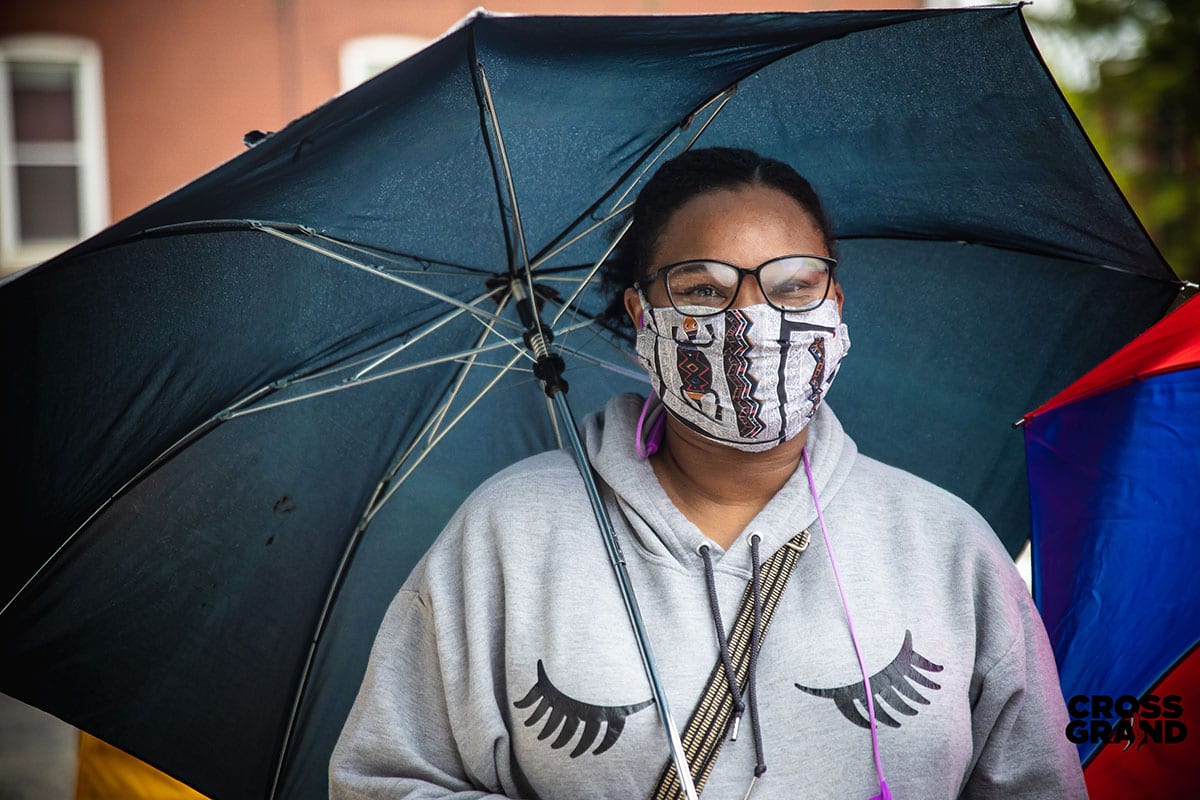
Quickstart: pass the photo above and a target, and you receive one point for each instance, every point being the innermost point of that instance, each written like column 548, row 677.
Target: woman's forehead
column 745, row 225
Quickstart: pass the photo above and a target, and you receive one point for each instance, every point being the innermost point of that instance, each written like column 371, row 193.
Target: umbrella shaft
column 627, row 594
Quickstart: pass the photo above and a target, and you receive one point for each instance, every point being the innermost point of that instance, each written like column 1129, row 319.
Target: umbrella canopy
column 1114, row 474
column 235, row 419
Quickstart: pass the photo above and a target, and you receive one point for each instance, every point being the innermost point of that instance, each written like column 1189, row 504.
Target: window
column 366, row 57
column 53, row 171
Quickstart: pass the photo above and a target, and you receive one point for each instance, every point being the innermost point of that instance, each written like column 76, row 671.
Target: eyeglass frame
column 644, row 283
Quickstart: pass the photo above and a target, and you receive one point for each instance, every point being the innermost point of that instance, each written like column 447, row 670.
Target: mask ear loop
column 884, row 792
column 647, row 442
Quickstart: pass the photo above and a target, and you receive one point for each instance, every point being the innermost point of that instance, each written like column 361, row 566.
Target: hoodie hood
column 661, row 530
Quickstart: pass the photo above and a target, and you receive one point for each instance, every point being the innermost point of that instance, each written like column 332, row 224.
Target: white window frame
column 359, row 58
column 88, row 153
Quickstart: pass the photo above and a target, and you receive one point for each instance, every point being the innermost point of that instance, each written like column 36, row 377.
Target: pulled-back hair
column 684, row 177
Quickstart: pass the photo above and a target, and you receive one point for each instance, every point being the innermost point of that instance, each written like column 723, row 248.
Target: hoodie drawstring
column 714, row 605
column 739, row 707
column 760, row 765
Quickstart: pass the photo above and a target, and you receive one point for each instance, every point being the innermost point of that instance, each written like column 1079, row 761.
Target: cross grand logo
column 1101, row 718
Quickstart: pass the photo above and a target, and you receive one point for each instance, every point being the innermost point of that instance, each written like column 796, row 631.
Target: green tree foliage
column 1141, row 108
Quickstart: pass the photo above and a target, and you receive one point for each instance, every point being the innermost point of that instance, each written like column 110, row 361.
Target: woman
column 506, row 666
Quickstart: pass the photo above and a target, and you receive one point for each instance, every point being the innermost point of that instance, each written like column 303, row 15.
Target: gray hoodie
column 506, row 664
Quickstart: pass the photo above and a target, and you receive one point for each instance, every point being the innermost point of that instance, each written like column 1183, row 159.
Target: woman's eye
column 701, row 291
column 699, row 294
column 796, row 289
column 703, row 284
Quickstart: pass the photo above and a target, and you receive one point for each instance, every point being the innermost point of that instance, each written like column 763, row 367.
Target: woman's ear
column 633, row 307
column 837, row 295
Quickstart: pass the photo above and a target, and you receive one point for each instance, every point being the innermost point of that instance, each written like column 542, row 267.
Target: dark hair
column 677, row 181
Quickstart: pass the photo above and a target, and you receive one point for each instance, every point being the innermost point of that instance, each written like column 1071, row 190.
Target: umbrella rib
column 619, row 204
column 191, row 435
column 429, row 362
column 720, row 98
column 1074, row 259
column 628, row 372
column 514, row 342
column 398, row 271
column 542, row 278
column 445, row 298
column 592, row 272
column 224, row 225
column 436, row 325
column 335, row 585
column 470, row 363
column 395, row 257
column 659, row 149
column 537, row 262
column 588, row 322
column 575, row 326
column 560, row 336
column 337, row 579
column 431, row 425
column 237, row 409
column 495, row 366
column 398, row 482
column 436, row 420
column 490, row 107
column 431, row 326
column 377, row 502
column 429, row 428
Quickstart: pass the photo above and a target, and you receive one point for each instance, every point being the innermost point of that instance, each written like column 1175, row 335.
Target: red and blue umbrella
column 1114, row 475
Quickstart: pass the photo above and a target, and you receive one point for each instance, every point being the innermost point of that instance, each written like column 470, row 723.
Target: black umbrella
column 235, row 419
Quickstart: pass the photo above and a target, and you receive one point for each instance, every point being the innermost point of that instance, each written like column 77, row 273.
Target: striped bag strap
column 705, row 731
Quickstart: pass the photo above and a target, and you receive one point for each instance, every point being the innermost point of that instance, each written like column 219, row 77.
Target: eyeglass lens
column 790, row 284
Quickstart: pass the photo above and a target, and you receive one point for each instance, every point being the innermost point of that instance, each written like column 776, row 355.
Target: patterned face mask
column 749, row 378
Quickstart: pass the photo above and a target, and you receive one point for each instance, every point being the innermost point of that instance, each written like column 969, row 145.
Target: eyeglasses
column 706, row 287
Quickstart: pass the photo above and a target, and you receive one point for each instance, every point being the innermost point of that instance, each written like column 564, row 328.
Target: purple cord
column 884, row 793
column 649, row 445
